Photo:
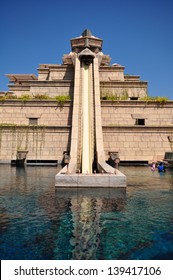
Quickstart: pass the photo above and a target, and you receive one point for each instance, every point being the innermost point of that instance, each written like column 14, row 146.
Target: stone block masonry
column 51, row 136
column 45, row 140
column 134, row 142
column 42, row 143
column 137, row 130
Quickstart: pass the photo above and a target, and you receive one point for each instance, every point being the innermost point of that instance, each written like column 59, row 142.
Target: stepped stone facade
column 139, row 131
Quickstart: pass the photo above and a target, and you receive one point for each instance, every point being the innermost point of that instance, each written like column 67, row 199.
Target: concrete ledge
column 5, row 161
column 90, row 180
column 67, row 178
column 106, row 168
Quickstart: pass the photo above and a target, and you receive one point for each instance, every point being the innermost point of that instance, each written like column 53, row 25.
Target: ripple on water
column 37, row 222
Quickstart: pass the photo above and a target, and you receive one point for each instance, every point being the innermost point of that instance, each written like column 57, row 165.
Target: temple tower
column 86, row 140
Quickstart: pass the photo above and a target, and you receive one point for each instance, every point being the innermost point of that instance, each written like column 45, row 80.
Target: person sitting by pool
column 161, row 167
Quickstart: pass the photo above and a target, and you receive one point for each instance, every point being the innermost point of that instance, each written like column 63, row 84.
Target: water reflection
column 38, row 221
column 4, row 219
column 86, row 206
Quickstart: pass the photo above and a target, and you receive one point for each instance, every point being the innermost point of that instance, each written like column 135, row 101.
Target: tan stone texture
column 57, row 126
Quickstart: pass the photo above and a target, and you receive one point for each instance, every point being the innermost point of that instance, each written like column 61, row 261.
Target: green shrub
column 62, row 98
column 161, row 100
column 158, row 99
column 41, row 96
column 147, row 98
column 110, row 97
column 25, row 97
column 10, row 96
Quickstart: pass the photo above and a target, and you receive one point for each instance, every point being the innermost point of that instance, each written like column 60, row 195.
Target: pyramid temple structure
column 86, row 111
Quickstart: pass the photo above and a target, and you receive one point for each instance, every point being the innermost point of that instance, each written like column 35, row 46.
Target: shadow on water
column 38, row 221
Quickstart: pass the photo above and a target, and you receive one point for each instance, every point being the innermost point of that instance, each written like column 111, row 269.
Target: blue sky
column 136, row 34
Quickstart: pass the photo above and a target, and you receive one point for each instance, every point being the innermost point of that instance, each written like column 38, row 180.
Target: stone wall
column 50, row 137
column 51, row 89
column 107, row 73
column 120, row 113
column 48, row 113
column 134, row 142
column 124, row 89
column 56, row 79
column 42, row 143
column 137, row 144
column 46, row 140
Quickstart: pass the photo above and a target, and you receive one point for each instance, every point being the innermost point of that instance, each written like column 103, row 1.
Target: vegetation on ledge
column 158, row 99
column 27, row 97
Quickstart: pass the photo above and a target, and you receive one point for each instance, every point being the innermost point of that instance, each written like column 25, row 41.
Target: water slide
column 86, row 137
column 87, row 119
column 86, row 133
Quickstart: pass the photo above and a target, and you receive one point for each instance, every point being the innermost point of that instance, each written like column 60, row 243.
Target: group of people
column 160, row 167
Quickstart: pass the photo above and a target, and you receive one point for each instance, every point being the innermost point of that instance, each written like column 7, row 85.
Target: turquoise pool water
column 39, row 222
